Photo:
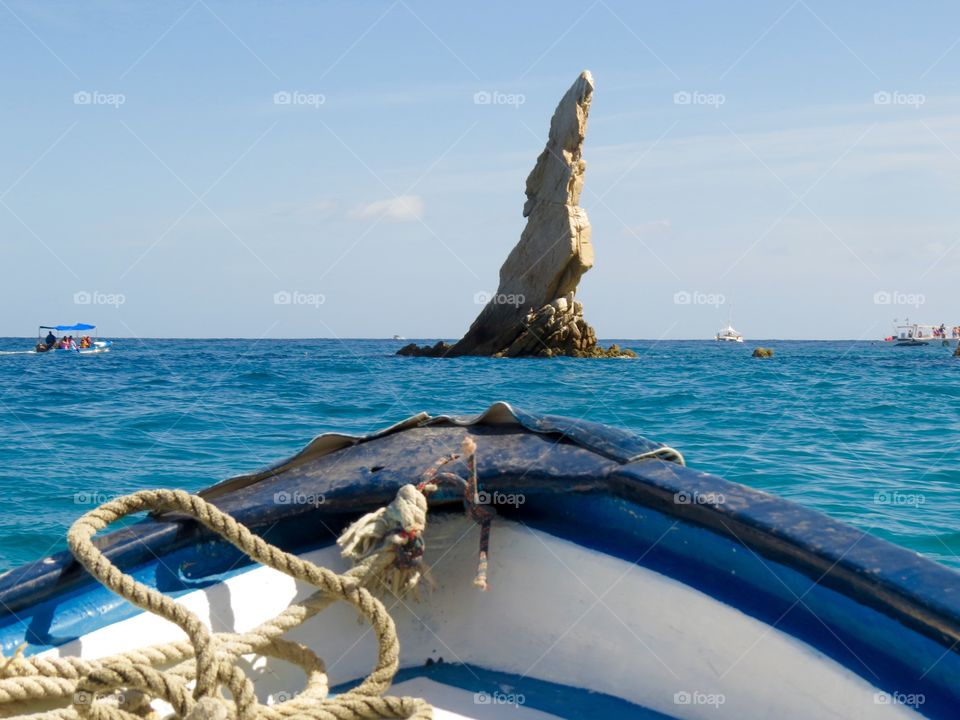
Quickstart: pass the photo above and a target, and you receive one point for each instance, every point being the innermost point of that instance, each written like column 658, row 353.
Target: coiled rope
column 123, row 686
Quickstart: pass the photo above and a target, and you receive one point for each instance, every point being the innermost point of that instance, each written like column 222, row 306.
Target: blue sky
column 798, row 161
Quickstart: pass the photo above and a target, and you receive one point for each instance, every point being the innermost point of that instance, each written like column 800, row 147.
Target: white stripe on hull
column 555, row 611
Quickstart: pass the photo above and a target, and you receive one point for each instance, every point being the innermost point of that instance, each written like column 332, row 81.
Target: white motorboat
column 916, row 334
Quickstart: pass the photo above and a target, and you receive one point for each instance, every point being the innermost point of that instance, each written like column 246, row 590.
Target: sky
column 356, row 169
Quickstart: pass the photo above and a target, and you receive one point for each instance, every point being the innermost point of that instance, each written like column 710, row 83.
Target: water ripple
column 864, row 432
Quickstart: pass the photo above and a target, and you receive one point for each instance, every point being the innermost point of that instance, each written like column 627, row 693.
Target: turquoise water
column 865, row 432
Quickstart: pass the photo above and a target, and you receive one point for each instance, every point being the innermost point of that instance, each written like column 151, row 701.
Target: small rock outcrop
column 762, row 352
column 533, row 312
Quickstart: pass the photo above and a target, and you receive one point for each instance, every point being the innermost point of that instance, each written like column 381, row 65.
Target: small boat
column 49, row 343
column 611, row 581
column 728, row 334
column 399, row 337
column 908, row 334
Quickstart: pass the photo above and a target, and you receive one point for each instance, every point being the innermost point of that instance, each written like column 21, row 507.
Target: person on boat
column 84, row 342
column 50, row 340
column 41, row 346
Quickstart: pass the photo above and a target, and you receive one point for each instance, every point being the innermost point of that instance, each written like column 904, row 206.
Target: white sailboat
column 728, row 334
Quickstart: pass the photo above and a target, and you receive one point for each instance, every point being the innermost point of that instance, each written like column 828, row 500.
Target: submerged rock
column 441, row 349
column 533, row 312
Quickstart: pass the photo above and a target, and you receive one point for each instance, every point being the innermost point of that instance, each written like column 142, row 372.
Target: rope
column 122, row 686
column 665, row 453
column 476, row 505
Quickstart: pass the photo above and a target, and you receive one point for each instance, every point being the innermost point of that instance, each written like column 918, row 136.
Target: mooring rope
column 122, row 686
column 386, row 548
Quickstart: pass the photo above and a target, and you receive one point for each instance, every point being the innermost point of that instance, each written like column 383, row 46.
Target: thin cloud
column 403, row 208
column 653, row 229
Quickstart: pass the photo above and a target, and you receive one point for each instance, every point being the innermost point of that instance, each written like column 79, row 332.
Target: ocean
column 862, row 431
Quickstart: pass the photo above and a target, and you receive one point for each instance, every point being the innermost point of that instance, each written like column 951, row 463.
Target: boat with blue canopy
column 512, row 564
column 59, row 339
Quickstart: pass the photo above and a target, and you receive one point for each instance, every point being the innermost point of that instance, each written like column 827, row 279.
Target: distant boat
column 399, row 337
column 728, row 334
column 908, row 334
column 87, row 345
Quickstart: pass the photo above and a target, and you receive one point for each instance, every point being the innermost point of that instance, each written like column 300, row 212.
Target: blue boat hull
column 862, row 605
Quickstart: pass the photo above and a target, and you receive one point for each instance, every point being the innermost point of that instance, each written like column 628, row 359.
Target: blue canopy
column 78, row 326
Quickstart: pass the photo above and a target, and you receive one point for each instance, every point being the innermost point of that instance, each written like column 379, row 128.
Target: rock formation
column 533, row 312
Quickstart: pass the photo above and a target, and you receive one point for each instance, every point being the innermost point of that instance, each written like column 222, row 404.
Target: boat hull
column 100, row 347
column 662, row 591
column 558, row 614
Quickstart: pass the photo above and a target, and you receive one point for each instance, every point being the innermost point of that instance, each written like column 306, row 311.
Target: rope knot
column 209, row 708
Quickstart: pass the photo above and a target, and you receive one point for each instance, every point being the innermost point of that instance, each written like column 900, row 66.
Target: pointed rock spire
column 533, row 311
